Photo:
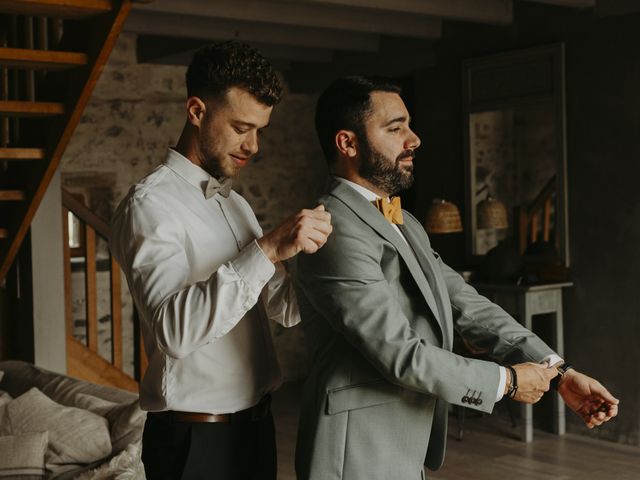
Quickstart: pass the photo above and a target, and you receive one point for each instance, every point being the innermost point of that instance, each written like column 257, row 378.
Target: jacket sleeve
column 487, row 326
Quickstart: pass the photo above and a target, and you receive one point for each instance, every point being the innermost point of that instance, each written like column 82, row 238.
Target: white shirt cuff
column 254, row 267
column 551, row 360
column 502, row 383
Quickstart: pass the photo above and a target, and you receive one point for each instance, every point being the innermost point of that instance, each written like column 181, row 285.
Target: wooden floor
column 490, row 450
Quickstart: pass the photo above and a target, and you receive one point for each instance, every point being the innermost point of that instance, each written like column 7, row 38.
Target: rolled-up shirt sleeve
column 183, row 315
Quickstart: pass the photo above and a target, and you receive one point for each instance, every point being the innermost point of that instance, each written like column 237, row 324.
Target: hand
column 588, row 398
column 305, row 231
column 533, row 381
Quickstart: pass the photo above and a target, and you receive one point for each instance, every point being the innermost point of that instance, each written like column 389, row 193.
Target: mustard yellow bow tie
column 391, row 209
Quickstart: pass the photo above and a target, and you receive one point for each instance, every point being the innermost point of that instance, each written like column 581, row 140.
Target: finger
column 307, row 223
column 609, row 411
column 308, row 246
column 318, row 212
column 316, row 233
column 318, row 238
column 321, row 226
column 320, row 219
column 595, row 421
column 550, row 373
column 599, row 390
column 613, row 411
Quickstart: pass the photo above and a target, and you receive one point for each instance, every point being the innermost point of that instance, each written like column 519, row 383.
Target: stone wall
column 138, row 110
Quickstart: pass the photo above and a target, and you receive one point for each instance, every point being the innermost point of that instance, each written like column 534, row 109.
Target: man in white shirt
column 205, row 279
column 380, row 308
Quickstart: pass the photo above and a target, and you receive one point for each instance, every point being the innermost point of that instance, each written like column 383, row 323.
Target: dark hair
column 216, row 68
column 345, row 104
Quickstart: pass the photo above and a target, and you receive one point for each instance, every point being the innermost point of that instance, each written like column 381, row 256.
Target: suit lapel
column 429, row 268
column 372, row 217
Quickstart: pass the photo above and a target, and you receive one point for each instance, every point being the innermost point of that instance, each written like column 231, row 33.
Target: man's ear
column 347, row 143
column 195, row 111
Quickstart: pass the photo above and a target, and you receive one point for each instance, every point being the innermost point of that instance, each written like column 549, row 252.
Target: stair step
column 13, row 108
column 56, row 8
column 40, row 59
column 4, row 233
column 21, row 153
column 11, row 195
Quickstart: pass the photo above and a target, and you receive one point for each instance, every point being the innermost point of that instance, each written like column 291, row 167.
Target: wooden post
column 523, row 225
column 66, row 258
column 91, row 288
column 116, row 315
column 535, row 221
column 4, row 95
column 546, row 228
column 29, row 78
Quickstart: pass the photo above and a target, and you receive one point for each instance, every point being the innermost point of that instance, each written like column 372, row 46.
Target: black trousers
column 174, row 450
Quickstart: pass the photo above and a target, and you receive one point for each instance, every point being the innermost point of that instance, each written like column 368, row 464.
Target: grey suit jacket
column 379, row 317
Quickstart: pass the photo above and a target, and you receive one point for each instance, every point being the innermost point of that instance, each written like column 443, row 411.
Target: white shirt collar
column 365, row 192
column 187, row 170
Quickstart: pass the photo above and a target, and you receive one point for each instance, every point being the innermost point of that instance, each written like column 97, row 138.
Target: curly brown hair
column 216, row 68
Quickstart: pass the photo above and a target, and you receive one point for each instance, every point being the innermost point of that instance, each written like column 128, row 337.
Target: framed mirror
column 515, row 152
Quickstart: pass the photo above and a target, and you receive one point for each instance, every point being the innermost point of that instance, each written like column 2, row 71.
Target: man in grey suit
column 380, row 307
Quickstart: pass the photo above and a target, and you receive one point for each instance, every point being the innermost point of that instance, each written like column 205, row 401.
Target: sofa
column 55, row 426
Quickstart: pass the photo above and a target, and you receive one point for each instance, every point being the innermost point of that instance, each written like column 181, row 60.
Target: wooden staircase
column 83, row 357
column 51, row 56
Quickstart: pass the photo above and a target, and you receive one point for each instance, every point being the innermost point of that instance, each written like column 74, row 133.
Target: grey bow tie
column 215, row 186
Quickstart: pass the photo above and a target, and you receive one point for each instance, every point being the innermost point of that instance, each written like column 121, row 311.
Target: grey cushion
column 75, row 435
column 21, row 376
column 22, row 456
column 4, row 399
column 126, row 421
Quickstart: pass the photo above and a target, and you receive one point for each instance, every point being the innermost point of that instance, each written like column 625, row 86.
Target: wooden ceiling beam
column 191, row 26
column 307, row 14
column 56, row 8
column 568, row 3
column 172, row 51
column 481, row 11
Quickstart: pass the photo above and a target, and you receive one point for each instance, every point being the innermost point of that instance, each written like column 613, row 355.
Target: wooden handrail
column 537, row 214
column 94, row 226
column 116, row 315
column 85, row 214
column 541, row 198
column 91, row 288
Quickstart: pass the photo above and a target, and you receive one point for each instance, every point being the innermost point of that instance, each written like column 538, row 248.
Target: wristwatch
column 562, row 370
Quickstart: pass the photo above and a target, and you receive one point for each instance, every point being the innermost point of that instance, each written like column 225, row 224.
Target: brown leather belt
column 251, row 414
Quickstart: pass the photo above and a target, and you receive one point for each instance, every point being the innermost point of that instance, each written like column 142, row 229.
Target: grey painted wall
column 48, row 288
column 603, row 119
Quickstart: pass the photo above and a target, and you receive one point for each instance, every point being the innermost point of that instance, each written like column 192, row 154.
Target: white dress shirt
column 372, row 197
column 196, row 275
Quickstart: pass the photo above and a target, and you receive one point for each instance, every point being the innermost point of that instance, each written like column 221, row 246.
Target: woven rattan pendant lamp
column 443, row 217
column 492, row 214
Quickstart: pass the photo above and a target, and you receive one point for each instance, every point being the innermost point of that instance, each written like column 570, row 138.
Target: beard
column 386, row 174
column 213, row 163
